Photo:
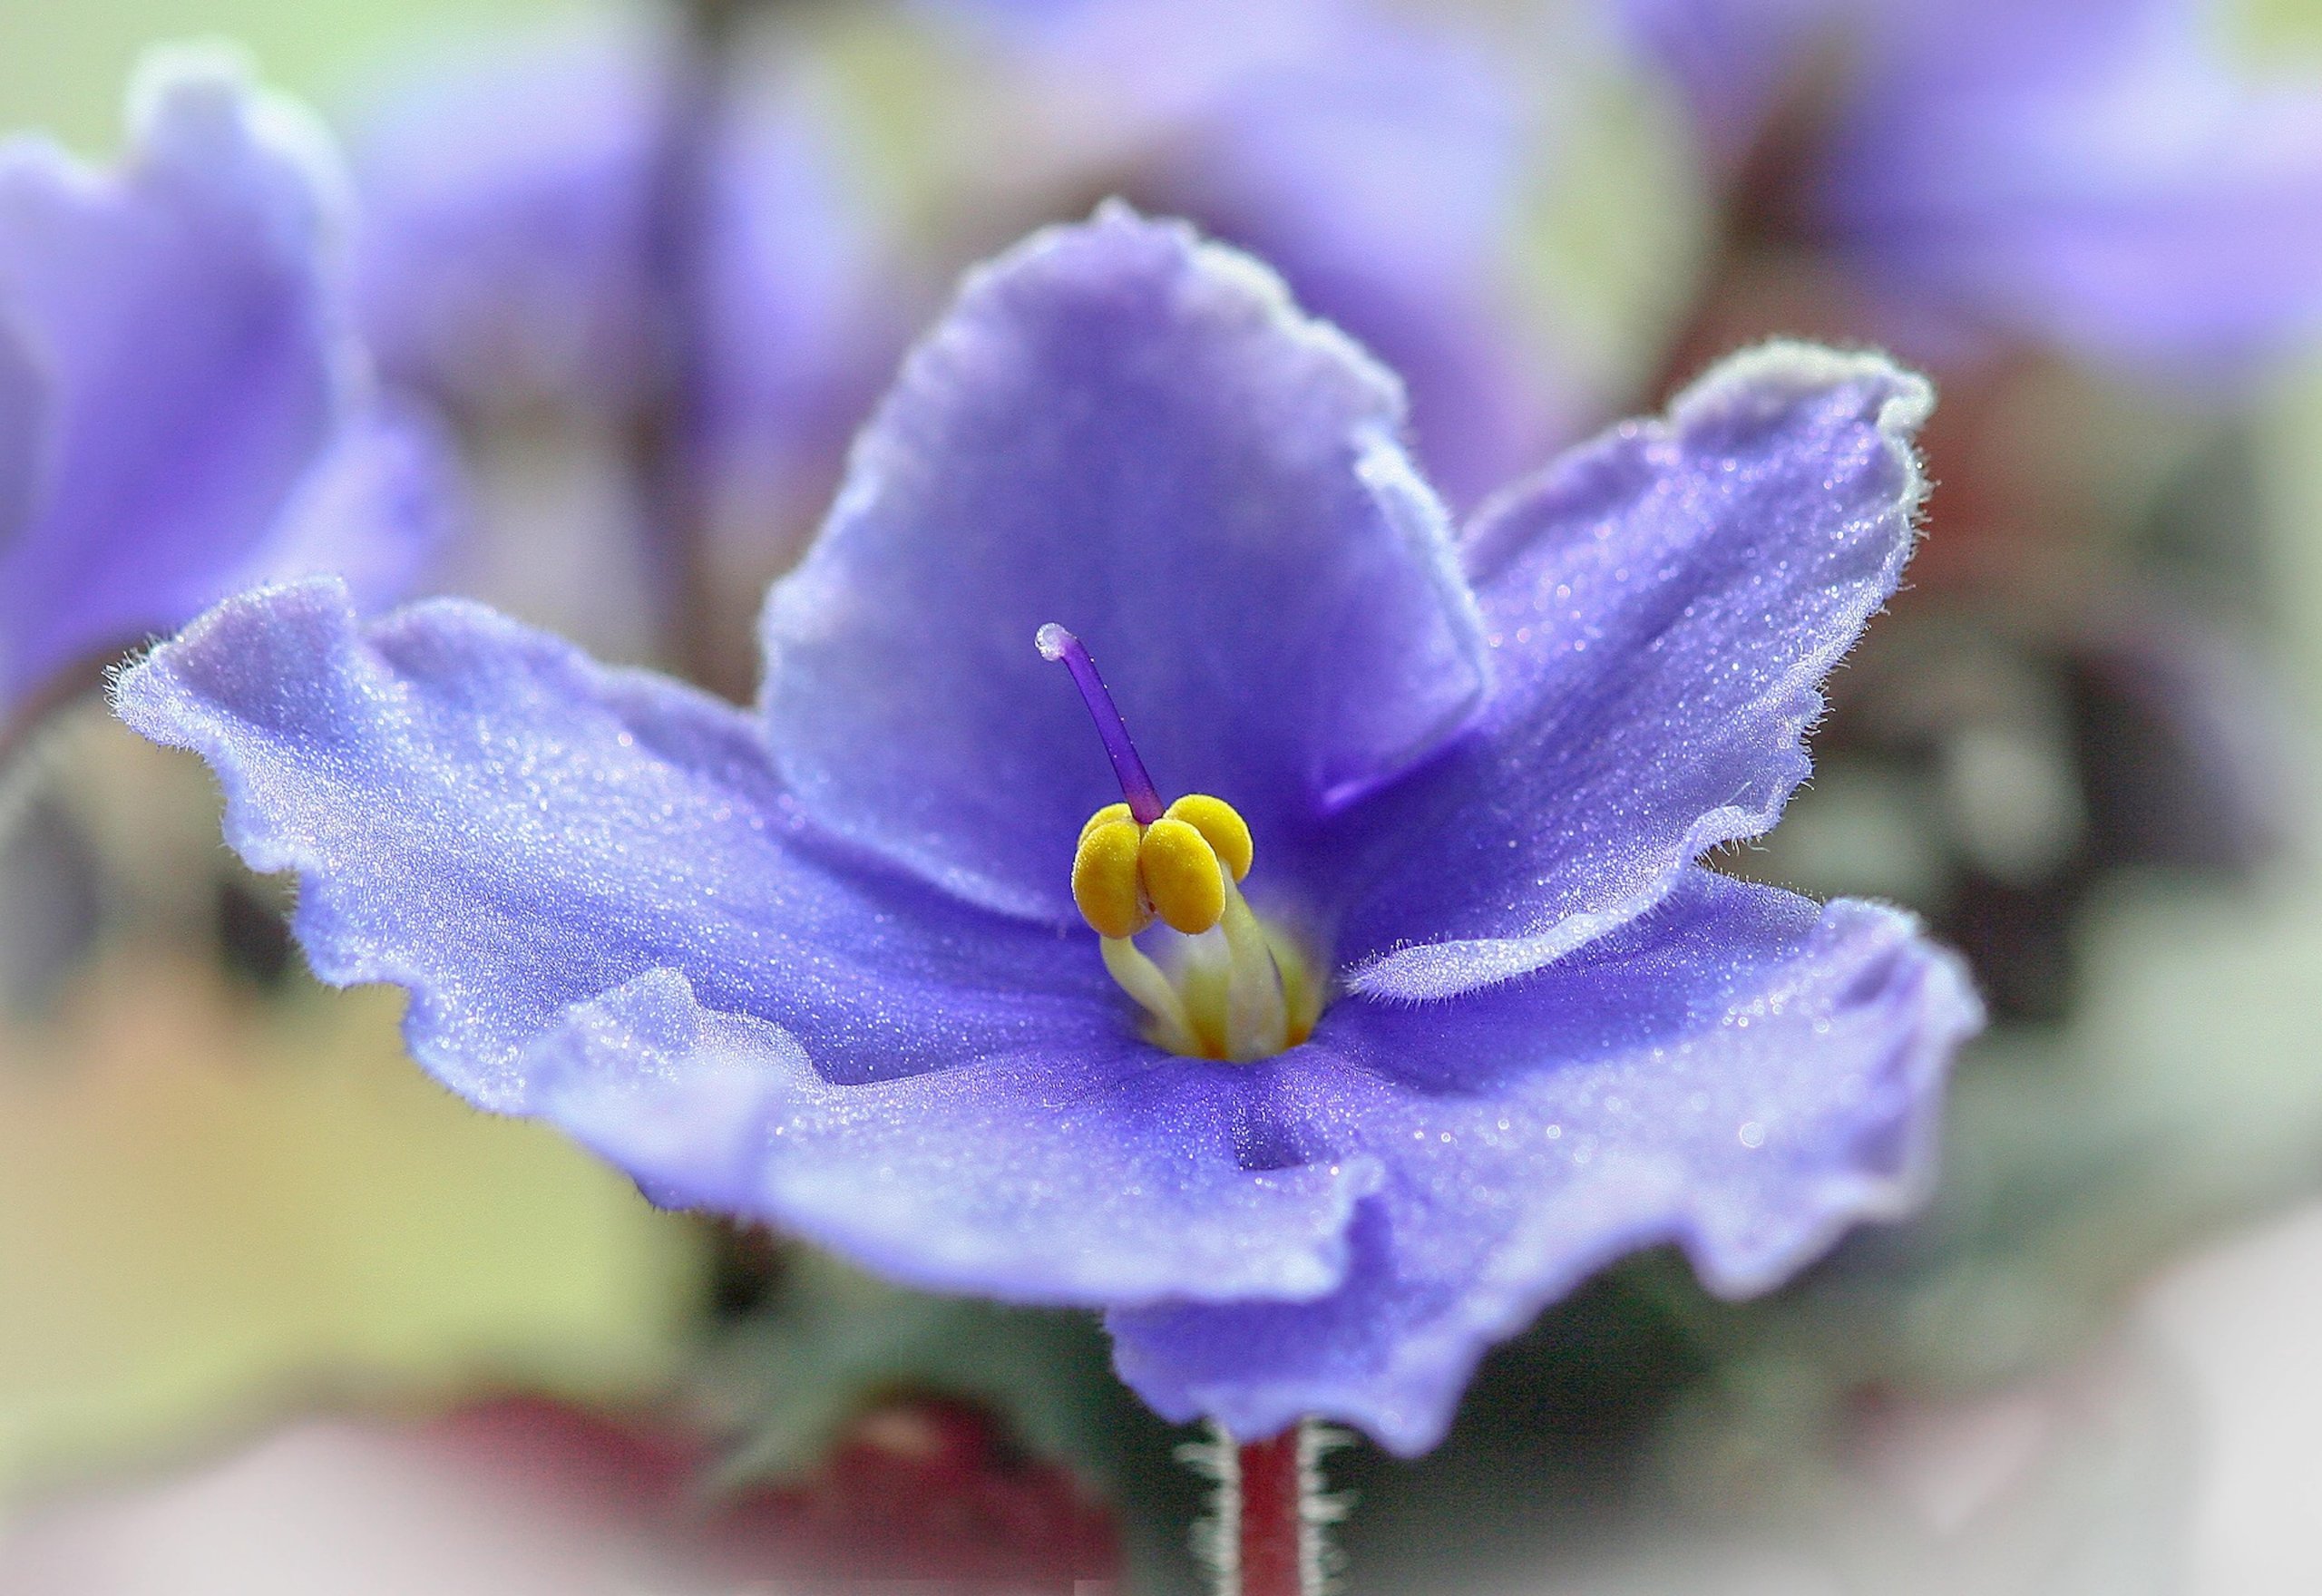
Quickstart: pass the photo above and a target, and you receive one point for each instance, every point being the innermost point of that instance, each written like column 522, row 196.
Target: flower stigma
column 1228, row 985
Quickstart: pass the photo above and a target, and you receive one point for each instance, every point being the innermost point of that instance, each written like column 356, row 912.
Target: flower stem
column 668, row 441
column 1270, row 1541
column 1268, row 1534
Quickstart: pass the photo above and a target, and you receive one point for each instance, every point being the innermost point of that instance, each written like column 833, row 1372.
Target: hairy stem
column 1269, row 1532
column 1270, row 1539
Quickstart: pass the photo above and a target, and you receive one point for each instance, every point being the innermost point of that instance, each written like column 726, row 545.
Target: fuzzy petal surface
column 1662, row 607
column 608, row 914
column 1069, row 1169
column 1743, row 1072
column 1124, row 430
column 190, row 373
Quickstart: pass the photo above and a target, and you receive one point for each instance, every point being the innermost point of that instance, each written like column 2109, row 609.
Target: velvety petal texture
column 1662, row 607
column 1136, row 435
column 179, row 383
column 1742, row 1072
column 816, row 965
column 603, row 904
column 1071, row 1169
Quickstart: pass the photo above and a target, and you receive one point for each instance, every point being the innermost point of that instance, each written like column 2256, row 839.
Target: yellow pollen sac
column 1247, row 995
column 1104, row 875
column 1182, row 878
column 1103, row 817
column 1221, row 826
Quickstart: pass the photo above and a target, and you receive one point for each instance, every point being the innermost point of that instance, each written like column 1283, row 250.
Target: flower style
column 2101, row 175
column 183, row 411
column 822, row 965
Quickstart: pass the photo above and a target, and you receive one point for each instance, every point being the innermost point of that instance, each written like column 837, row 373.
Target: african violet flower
column 183, row 411
column 822, row 964
column 2101, row 173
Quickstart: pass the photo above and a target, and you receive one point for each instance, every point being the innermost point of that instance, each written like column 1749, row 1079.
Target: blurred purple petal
column 1384, row 176
column 501, row 248
column 2103, row 174
column 373, row 509
column 2100, row 174
column 1735, row 63
column 508, row 251
column 1385, row 164
column 178, row 375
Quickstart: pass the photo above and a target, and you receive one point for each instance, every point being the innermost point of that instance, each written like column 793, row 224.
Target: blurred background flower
column 649, row 264
column 188, row 410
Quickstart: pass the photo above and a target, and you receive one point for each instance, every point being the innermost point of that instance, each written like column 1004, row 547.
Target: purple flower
column 501, row 254
column 2100, row 174
column 183, row 411
column 510, row 250
column 1387, row 166
column 1389, row 170
column 822, row 964
column 668, row 258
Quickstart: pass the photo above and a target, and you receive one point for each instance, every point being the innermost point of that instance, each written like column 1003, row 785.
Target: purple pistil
column 1144, row 802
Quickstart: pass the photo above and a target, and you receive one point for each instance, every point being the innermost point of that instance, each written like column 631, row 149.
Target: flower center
column 1225, row 983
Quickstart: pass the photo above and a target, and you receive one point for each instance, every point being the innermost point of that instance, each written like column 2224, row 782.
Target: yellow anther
column 1181, row 876
column 1246, row 995
column 1105, row 816
column 1220, row 824
column 1104, row 875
